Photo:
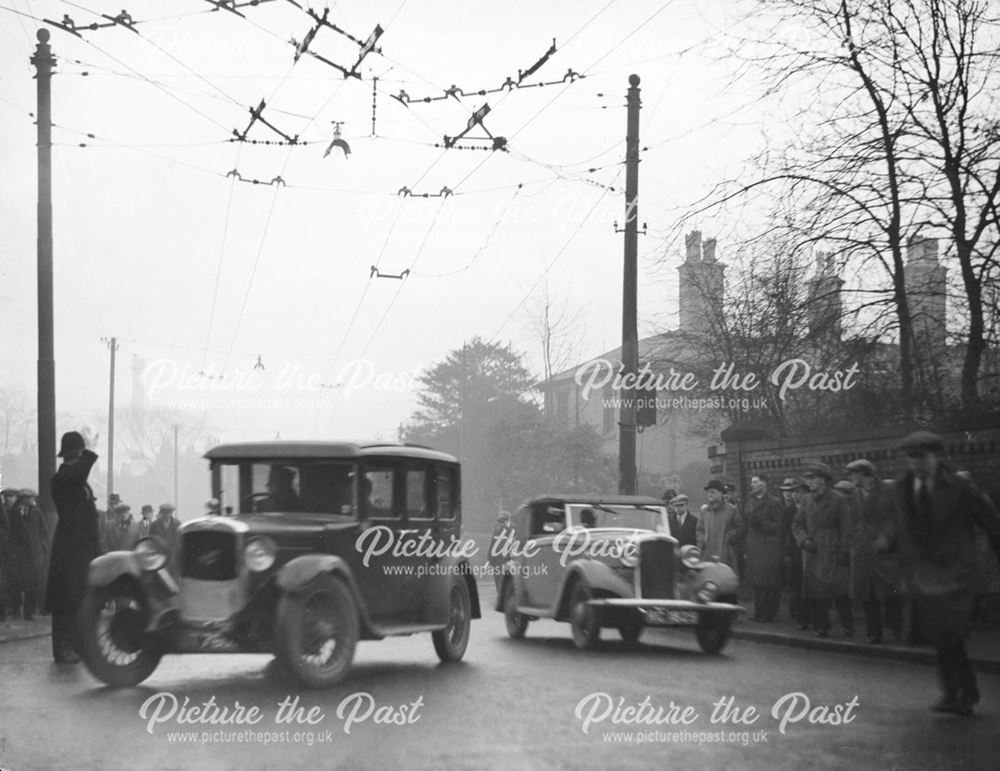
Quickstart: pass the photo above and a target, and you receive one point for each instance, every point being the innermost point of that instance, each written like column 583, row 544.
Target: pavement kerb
column 884, row 652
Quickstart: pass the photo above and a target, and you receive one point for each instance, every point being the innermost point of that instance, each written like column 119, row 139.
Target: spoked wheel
column 451, row 642
column 112, row 621
column 318, row 630
column 586, row 632
column 517, row 623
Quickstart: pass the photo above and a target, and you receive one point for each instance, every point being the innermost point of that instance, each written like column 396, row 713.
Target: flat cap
column 818, row 470
column 167, row 507
column 862, row 465
column 27, row 492
column 788, row 484
column 844, row 486
column 680, row 499
column 921, row 441
column 715, row 484
column 10, row 491
column 730, row 487
column 800, row 484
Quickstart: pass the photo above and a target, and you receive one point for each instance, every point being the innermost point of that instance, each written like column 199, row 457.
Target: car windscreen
column 617, row 516
column 315, row 487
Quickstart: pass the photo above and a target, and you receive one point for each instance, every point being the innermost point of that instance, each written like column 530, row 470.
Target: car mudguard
column 439, row 584
column 298, row 573
column 108, row 568
column 597, row 575
column 723, row 576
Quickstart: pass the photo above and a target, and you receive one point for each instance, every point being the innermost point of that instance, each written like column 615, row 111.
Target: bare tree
column 17, row 420
column 557, row 329
column 896, row 136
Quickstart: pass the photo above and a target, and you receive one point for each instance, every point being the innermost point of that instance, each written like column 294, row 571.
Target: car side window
column 378, row 488
column 443, row 497
column 416, row 494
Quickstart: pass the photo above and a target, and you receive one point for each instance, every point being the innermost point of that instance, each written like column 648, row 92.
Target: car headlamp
column 150, row 554
column 259, row 554
column 690, row 556
column 629, row 556
column 707, row 592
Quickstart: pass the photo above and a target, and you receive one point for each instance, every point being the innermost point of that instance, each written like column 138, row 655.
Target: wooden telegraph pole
column 113, row 347
column 44, row 61
column 630, row 334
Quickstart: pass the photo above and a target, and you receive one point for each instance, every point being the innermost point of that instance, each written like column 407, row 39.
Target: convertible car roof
column 608, row 500
column 288, row 450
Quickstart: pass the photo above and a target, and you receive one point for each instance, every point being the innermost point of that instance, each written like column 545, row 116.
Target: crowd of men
column 913, row 551
column 25, row 541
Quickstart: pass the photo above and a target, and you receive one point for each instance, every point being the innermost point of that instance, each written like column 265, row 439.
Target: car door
column 388, row 576
column 542, row 571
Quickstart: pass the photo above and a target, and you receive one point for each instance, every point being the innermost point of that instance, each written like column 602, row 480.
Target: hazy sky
column 195, row 271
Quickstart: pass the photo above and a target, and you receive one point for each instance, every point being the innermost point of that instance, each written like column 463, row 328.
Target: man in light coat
column 719, row 526
column 822, row 529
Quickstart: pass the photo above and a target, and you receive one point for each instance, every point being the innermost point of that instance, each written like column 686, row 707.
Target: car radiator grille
column 656, row 570
column 209, row 555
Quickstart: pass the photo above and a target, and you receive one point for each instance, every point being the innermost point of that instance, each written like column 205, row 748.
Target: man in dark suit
column 934, row 517
column 683, row 524
column 75, row 544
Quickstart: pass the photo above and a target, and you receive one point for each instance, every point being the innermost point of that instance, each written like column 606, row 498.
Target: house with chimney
column 680, row 440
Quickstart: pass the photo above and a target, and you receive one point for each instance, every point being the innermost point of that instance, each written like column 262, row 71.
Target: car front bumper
column 660, row 612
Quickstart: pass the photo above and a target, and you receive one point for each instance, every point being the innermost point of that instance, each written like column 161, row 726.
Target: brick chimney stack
column 826, row 305
column 702, row 286
column 926, row 290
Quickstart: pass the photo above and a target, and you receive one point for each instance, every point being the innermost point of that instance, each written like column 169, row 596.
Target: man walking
column 822, row 530
column 935, row 513
column 763, row 517
column 75, row 544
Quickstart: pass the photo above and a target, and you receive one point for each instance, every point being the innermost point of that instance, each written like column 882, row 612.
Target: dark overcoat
column 937, row 548
column 29, row 540
column 764, row 520
column 871, row 568
column 77, row 540
column 825, row 519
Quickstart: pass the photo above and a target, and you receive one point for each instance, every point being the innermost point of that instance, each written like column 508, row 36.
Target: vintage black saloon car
column 610, row 561
column 310, row 547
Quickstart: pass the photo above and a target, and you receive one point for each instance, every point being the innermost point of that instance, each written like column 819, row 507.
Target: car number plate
column 667, row 616
column 682, row 617
column 207, row 640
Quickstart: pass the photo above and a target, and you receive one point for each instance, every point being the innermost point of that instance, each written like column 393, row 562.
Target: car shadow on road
column 268, row 681
column 655, row 648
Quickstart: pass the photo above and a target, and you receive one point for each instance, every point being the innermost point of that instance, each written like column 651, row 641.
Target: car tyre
column 517, row 623
column 631, row 632
column 114, row 647
column 582, row 619
column 713, row 628
column 451, row 642
column 317, row 632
